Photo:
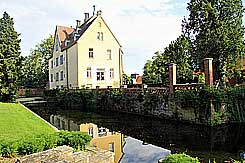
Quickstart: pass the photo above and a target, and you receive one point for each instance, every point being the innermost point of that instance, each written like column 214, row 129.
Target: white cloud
column 135, row 151
column 141, row 26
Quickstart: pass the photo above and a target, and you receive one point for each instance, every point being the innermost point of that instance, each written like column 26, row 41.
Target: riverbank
column 17, row 122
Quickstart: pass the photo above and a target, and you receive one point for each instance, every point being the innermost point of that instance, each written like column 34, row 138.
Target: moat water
column 142, row 139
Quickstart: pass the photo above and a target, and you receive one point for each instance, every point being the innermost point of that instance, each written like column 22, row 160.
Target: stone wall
column 65, row 154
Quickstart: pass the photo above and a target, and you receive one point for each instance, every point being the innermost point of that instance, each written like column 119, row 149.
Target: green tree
column 178, row 52
column 10, row 59
column 36, row 65
column 127, row 79
column 215, row 30
column 149, row 74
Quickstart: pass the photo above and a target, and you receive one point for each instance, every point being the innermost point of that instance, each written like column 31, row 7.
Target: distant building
column 137, row 79
column 87, row 56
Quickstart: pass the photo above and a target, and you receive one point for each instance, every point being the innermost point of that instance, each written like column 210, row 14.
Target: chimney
column 99, row 13
column 86, row 17
column 78, row 23
column 93, row 10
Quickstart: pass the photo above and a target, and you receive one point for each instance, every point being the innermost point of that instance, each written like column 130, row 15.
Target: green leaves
column 215, row 30
column 9, row 58
column 157, row 71
column 36, row 65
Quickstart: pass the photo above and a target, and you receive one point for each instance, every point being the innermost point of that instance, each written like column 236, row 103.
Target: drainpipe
column 120, row 66
column 67, row 82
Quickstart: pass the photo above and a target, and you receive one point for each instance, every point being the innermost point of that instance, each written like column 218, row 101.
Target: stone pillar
column 208, row 70
column 172, row 77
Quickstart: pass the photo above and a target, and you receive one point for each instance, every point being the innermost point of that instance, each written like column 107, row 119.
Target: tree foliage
column 36, row 65
column 178, row 51
column 10, row 60
column 215, row 30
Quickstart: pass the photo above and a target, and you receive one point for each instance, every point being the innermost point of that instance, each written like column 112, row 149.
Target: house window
column 57, row 43
column 102, row 131
column 57, row 76
column 61, row 59
column 111, row 147
column 109, row 54
column 57, row 61
column 52, row 78
column 56, row 47
column 89, row 72
column 52, row 64
column 91, row 53
column 100, row 36
column 111, row 73
column 90, row 131
column 61, row 75
column 100, row 74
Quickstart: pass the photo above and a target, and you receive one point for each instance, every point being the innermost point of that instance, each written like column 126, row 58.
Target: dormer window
column 75, row 35
column 67, row 42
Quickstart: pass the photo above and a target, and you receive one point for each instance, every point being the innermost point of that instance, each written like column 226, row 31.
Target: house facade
column 87, row 56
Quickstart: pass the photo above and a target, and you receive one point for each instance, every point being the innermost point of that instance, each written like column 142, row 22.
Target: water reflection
column 102, row 137
column 126, row 150
column 137, row 151
column 222, row 142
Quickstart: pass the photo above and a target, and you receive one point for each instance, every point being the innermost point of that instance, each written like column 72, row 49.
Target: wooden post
column 172, row 77
column 208, row 70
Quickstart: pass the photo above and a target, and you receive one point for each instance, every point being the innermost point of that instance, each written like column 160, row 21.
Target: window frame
column 109, row 54
column 91, row 52
column 57, row 76
column 100, row 75
column 89, row 72
column 100, row 36
column 111, row 73
column 52, row 64
column 51, row 78
column 61, row 59
column 61, row 75
column 57, row 61
column 111, row 147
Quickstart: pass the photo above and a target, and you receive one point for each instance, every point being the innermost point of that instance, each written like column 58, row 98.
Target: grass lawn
column 17, row 123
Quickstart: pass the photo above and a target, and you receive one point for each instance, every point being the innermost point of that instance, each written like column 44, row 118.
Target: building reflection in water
column 102, row 137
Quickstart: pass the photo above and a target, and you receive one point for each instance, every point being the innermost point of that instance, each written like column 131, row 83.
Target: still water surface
column 136, row 138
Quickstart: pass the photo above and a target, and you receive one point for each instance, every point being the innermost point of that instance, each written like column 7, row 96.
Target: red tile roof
column 64, row 32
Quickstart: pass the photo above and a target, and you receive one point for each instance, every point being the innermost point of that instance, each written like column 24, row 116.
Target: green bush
column 29, row 144
column 180, row 158
column 75, row 139
column 8, row 149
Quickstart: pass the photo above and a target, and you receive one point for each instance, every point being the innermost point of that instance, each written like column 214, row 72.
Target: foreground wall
column 65, row 154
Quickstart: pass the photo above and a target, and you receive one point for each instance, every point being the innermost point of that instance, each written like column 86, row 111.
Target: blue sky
column 141, row 26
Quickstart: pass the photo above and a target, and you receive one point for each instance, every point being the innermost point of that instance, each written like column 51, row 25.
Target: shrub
column 180, row 158
column 75, row 139
column 29, row 145
column 7, row 149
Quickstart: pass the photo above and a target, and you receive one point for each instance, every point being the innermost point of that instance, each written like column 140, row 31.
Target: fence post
column 208, row 70
column 172, row 77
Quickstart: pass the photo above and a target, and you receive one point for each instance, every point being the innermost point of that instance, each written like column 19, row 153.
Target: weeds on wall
column 215, row 106
column 209, row 105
